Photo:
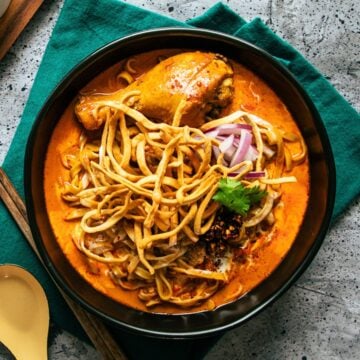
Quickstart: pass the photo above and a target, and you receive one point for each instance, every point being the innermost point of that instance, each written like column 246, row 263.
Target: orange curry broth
column 251, row 94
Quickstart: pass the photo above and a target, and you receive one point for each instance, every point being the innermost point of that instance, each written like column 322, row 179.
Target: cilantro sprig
column 236, row 197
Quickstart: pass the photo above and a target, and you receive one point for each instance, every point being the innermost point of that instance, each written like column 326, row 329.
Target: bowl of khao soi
column 189, row 183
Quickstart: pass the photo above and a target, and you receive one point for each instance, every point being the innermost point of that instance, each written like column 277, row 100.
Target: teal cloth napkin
column 84, row 26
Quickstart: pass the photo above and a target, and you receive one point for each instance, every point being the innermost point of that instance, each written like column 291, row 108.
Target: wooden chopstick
column 94, row 328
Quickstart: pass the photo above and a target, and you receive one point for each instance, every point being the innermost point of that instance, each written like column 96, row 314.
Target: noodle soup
column 141, row 208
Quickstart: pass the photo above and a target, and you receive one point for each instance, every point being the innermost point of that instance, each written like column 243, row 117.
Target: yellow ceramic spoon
column 24, row 314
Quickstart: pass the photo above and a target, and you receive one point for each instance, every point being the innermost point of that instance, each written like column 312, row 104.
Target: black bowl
column 308, row 240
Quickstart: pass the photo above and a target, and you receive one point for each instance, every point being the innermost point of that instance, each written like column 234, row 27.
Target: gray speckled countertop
column 319, row 317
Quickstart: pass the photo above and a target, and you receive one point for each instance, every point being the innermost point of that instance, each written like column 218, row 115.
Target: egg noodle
column 142, row 194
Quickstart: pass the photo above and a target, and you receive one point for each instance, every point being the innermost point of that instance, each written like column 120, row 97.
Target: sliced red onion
column 269, row 153
column 236, row 140
column 255, row 174
column 242, row 149
column 221, row 137
column 217, row 152
column 238, row 171
column 228, row 155
column 251, row 154
column 227, row 147
column 237, row 146
column 212, row 133
column 235, row 129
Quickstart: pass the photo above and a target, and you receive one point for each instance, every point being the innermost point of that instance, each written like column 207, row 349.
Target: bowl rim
column 175, row 32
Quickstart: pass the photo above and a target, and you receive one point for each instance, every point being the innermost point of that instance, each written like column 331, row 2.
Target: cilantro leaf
column 236, row 197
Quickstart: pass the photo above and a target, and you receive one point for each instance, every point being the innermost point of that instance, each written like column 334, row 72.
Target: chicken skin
column 188, row 86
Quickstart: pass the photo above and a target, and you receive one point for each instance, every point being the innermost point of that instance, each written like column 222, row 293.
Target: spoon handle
column 94, row 328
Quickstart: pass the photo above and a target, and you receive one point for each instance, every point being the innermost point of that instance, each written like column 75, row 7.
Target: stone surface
column 318, row 318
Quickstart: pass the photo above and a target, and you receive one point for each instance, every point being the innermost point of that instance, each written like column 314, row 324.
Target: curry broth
column 252, row 95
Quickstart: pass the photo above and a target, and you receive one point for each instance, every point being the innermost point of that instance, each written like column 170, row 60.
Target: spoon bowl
column 24, row 313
